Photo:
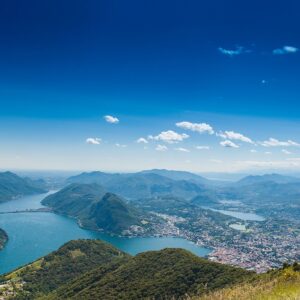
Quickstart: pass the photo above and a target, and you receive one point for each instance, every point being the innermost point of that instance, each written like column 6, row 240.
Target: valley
column 227, row 226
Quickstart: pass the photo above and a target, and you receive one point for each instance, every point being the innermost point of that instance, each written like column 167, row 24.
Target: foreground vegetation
column 88, row 269
column 283, row 284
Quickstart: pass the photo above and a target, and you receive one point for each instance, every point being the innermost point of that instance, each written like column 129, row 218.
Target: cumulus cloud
column 142, row 141
column 202, row 147
column 93, row 141
column 229, row 144
column 182, row 149
column 271, row 142
column 120, row 145
column 169, row 136
column 285, row 50
column 111, row 119
column 253, row 151
column 197, row 127
column 231, row 135
column 286, row 151
column 233, row 52
column 161, row 148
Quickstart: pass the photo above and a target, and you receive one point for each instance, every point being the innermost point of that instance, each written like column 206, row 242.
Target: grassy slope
column 279, row 285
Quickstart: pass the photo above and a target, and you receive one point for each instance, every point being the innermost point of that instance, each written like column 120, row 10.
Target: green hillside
column 94, row 208
column 283, row 284
column 71, row 260
column 12, row 186
column 165, row 274
column 76, row 199
column 87, row 269
column 112, row 214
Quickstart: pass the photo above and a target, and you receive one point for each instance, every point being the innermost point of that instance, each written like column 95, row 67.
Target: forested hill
column 94, row 208
column 94, row 270
column 12, row 186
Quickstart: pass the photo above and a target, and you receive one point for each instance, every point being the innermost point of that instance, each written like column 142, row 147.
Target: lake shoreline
column 33, row 235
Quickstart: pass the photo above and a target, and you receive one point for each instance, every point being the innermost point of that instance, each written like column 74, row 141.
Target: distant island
column 3, row 238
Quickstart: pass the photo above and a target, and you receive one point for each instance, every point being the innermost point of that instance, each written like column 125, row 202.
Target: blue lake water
column 32, row 235
column 240, row 215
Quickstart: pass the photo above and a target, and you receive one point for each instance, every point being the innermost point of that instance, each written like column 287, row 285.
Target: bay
column 35, row 234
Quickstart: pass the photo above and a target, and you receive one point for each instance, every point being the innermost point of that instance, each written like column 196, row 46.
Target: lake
column 32, row 235
column 240, row 215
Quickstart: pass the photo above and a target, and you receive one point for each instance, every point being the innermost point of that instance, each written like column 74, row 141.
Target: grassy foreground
column 281, row 285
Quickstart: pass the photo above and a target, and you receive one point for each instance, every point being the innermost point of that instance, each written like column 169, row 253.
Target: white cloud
column 93, row 141
column 286, row 151
column 169, row 136
column 161, row 148
column 293, row 159
column 285, row 164
column 111, row 119
column 182, row 149
column 253, row 151
column 231, row 135
column 216, row 161
column 285, row 50
column 120, row 145
column 197, row 127
column 271, row 142
column 202, row 147
column 142, row 141
column 229, row 144
column 268, row 153
column 234, row 52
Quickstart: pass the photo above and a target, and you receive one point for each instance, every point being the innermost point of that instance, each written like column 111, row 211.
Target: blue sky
column 230, row 67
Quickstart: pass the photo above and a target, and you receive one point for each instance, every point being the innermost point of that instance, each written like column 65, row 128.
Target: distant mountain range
column 12, row 186
column 94, row 207
column 189, row 186
column 276, row 178
column 179, row 175
column 144, row 184
column 90, row 269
